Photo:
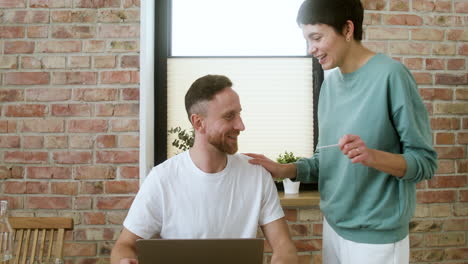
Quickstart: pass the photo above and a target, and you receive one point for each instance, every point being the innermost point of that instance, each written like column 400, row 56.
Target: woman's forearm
column 393, row 164
column 288, row 170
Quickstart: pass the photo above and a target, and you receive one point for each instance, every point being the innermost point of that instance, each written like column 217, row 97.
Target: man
column 208, row 192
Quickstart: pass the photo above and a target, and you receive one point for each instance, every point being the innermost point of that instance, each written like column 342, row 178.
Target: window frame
column 155, row 50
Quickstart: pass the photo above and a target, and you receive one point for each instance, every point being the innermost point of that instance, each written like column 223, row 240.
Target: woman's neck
column 357, row 56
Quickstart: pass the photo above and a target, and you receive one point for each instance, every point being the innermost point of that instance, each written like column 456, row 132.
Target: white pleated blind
column 275, row 94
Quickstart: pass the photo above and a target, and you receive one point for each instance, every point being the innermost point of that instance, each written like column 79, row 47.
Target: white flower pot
column 291, row 187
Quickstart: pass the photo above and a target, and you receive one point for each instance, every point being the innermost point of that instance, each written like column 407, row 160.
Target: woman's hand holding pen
column 356, row 150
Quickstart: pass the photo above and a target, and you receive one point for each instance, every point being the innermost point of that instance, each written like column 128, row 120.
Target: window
column 178, row 66
column 236, row 28
column 275, row 94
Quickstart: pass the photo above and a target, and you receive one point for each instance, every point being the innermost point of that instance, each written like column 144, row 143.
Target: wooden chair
column 39, row 240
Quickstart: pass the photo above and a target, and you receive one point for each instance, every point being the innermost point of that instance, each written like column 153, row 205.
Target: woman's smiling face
column 325, row 44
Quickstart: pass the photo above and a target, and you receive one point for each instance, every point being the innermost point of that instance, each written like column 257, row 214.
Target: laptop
column 206, row 251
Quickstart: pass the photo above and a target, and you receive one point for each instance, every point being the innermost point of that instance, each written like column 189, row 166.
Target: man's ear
column 197, row 122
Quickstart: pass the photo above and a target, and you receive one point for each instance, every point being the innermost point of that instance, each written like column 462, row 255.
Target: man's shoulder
column 169, row 166
column 175, row 160
column 240, row 156
column 242, row 161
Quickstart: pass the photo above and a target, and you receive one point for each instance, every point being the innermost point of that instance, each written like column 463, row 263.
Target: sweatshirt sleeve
column 307, row 169
column 411, row 121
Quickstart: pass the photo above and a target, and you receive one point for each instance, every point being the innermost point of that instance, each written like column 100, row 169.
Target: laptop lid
column 206, row 251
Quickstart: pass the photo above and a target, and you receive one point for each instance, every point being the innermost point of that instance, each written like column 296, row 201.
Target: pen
column 328, row 146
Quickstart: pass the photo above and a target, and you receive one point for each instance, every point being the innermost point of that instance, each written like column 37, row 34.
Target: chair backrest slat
column 25, row 245
column 60, row 238
column 41, row 250
column 39, row 239
column 1, row 240
column 34, row 246
column 19, row 239
column 49, row 248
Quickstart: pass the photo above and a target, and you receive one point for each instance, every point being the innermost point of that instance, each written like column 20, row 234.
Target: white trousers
column 337, row 250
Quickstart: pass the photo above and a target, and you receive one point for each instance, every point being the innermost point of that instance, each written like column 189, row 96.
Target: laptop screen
column 206, row 251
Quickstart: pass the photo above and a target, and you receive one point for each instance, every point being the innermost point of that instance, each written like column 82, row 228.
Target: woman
column 370, row 108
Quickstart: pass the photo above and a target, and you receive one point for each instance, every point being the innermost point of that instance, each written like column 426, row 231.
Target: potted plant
column 184, row 140
column 287, row 157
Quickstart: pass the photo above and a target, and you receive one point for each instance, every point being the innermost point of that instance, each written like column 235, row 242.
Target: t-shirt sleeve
column 144, row 218
column 271, row 208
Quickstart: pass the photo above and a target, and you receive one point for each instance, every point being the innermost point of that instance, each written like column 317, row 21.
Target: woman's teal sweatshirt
column 380, row 103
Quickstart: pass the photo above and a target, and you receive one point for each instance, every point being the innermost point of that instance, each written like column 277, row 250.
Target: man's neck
column 207, row 158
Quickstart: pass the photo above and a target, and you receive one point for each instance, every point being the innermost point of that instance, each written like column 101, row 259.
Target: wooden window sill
column 302, row 199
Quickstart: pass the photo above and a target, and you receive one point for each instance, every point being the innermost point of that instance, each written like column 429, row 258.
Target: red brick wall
column 69, row 104
column 69, row 117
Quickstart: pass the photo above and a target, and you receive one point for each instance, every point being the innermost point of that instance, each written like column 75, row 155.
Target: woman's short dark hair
column 334, row 13
column 204, row 89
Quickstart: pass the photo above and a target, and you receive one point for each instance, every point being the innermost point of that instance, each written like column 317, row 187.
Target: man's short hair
column 334, row 13
column 203, row 90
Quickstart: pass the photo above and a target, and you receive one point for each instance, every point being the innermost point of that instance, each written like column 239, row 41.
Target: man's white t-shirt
column 178, row 200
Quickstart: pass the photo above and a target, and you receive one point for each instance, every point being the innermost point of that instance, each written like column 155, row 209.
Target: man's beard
column 222, row 145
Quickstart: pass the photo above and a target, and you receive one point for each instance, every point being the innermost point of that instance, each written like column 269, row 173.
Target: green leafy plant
column 185, row 138
column 287, row 157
